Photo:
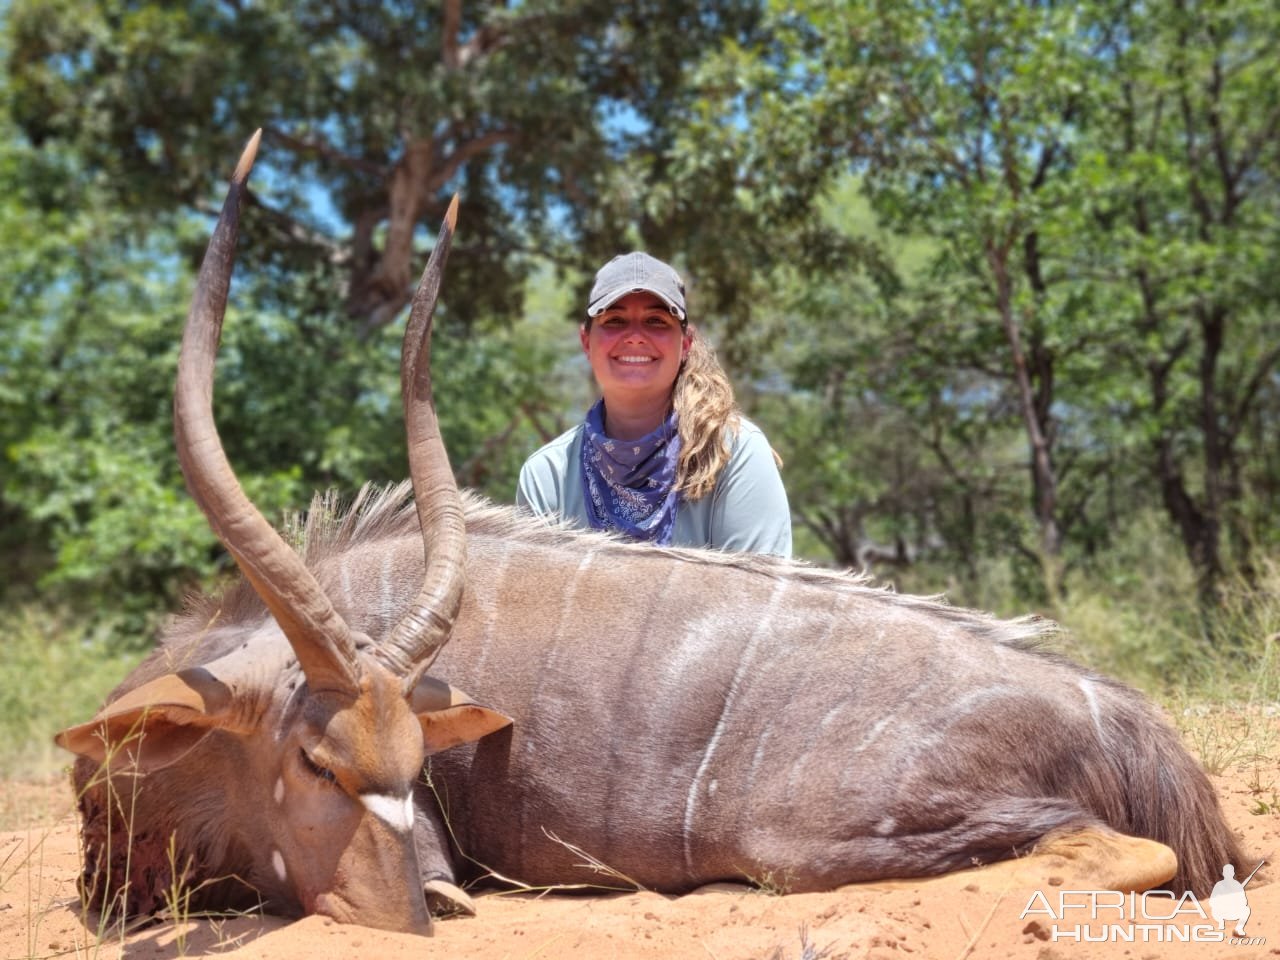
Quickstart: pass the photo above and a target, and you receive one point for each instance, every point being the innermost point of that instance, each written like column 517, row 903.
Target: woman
column 664, row 456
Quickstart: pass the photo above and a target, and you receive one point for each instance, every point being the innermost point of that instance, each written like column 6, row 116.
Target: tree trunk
column 1044, row 481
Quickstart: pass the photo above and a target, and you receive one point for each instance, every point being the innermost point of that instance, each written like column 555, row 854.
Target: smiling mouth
column 635, row 359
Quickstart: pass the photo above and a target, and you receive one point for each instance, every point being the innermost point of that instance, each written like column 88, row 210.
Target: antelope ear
column 449, row 717
column 153, row 725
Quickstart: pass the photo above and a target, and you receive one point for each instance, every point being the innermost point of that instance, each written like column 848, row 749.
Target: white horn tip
column 247, row 157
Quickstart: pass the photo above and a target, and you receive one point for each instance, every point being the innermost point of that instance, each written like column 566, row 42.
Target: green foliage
column 120, row 120
column 88, row 486
column 1134, row 611
column 55, row 673
column 94, row 508
column 1100, row 218
column 374, row 113
column 999, row 281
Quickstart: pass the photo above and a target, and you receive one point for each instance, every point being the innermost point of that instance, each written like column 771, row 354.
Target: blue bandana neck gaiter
column 629, row 485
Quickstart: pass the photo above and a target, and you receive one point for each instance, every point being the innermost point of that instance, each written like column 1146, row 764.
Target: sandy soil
column 975, row 914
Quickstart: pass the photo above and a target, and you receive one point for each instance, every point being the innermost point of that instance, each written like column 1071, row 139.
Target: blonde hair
column 709, row 419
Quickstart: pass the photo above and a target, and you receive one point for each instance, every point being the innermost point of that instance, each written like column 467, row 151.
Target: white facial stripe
column 396, row 812
column 277, row 861
column 278, row 793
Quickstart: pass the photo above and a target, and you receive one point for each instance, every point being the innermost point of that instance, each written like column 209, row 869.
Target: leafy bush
column 54, row 671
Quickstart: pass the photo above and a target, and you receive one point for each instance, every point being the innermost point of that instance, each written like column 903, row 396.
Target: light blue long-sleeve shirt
column 746, row 511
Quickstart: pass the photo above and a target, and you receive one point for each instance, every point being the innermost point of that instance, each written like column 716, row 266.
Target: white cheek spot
column 712, row 787
column 278, row 793
column 396, row 812
column 277, row 861
column 886, row 827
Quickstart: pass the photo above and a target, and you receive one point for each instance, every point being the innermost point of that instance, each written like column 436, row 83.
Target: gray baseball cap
column 631, row 273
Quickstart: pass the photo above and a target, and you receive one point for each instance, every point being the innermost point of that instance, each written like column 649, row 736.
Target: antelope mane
column 330, row 527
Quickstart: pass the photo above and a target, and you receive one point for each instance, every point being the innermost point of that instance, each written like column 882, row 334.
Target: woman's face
column 635, row 349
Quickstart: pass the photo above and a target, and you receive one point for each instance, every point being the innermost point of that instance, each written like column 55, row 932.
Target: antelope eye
column 317, row 771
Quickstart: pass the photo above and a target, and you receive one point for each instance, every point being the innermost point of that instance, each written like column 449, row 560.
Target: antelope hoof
column 444, row 899
column 1113, row 861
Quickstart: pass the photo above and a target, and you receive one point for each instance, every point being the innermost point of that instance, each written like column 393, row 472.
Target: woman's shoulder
column 752, row 461
column 556, row 452
column 748, row 438
column 548, row 479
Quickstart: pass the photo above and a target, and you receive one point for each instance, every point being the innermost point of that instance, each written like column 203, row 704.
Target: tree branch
column 465, row 151
column 1260, row 375
column 295, row 230
column 450, row 24
column 323, row 148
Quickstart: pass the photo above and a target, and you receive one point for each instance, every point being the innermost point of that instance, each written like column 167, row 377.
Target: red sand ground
column 976, row 914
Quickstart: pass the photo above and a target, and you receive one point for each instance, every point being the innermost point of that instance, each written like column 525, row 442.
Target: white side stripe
column 764, row 624
column 1095, row 710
